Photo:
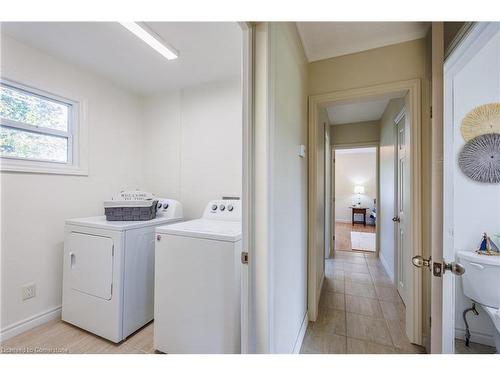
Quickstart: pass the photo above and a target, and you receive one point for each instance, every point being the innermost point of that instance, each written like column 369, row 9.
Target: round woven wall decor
column 481, row 120
column 480, row 158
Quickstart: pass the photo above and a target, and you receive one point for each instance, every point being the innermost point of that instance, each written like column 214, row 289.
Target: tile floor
column 473, row 348
column 343, row 234
column 58, row 337
column 360, row 310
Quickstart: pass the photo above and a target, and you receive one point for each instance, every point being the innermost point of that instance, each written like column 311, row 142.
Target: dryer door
column 90, row 264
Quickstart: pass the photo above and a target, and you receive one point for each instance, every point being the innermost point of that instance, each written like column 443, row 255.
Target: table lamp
column 359, row 189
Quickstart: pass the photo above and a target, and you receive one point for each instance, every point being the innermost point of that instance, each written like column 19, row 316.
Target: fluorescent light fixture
column 152, row 39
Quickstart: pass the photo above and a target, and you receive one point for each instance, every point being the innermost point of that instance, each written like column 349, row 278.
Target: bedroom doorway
column 355, row 193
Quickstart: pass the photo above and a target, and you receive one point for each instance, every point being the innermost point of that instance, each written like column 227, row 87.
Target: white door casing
column 413, row 106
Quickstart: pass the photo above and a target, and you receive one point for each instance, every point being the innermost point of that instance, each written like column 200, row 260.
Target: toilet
column 481, row 283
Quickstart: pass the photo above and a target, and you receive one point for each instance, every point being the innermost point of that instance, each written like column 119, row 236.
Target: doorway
column 355, row 192
column 409, row 94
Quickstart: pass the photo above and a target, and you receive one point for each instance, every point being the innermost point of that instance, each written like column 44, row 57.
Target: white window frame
column 77, row 163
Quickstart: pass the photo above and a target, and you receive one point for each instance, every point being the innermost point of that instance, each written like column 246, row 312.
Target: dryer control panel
column 223, row 209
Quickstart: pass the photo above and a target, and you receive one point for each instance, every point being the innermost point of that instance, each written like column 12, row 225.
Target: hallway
column 360, row 311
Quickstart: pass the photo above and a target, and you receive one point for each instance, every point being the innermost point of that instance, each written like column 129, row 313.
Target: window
column 38, row 132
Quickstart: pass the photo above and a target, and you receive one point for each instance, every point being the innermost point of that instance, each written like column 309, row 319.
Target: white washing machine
column 197, row 282
column 108, row 273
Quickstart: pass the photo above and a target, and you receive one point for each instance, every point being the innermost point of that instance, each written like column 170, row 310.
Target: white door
column 471, row 79
column 402, row 207
column 90, row 264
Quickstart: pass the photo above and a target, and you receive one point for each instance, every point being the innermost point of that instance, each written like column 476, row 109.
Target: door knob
column 396, row 219
column 455, row 268
column 420, row 262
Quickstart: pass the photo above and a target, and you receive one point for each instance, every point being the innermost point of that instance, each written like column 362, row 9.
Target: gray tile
column 363, row 306
column 361, row 290
column 355, row 346
column 399, row 338
column 473, row 348
column 329, row 321
column 324, row 344
column 382, row 280
column 357, row 277
column 368, row 328
column 393, row 310
column 355, row 260
column 334, row 285
column 387, row 293
column 351, row 267
column 332, row 300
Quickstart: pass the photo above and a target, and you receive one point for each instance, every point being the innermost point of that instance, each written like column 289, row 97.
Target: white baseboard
column 390, row 273
column 30, row 323
column 480, row 338
column 300, row 337
column 342, row 221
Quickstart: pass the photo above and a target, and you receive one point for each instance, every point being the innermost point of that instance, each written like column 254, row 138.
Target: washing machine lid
column 220, row 230
column 100, row 222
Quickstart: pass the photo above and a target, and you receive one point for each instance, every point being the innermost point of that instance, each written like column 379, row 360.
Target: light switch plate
column 302, row 151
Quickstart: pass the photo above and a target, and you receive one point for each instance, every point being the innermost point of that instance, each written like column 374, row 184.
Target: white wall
column 184, row 145
column 35, row 206
column 289, row 189
column 281, row 187
column 387, row 184
column 354, row 167
column 476, row 206
column 192, row 144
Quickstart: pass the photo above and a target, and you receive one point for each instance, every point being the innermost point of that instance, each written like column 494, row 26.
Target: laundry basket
column 131, row 206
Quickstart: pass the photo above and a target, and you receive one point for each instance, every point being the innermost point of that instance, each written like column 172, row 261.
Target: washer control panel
column 223, row 209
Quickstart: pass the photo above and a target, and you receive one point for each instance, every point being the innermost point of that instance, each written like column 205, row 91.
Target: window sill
column 35, row 167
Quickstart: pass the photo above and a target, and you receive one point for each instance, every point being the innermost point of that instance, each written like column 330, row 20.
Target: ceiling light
column 151, row 38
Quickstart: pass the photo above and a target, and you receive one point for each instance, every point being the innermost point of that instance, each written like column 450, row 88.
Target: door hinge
column 334, row 237
column 430, row 321
column 113, row 251
column 431, row 111
column 244, row 257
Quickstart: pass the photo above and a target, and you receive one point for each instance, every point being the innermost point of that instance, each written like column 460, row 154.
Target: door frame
column 332, row 184
column 414, row 107
column 248, row 340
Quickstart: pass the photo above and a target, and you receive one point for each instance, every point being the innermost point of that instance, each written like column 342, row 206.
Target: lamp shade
column 359, row 189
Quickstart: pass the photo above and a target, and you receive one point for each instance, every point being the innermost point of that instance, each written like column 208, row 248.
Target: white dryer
column 197, row 282
column 108, row 273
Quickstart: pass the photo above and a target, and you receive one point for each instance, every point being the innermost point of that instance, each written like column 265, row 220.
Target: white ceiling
column 208, row 51
column 360, row 110
column 323, row 40
column 357, row 150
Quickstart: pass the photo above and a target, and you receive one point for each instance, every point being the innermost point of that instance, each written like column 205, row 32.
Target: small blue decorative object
column 487, row 246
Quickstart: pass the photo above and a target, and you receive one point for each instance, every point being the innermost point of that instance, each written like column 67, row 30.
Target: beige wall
column 358, row 132
column 381, row 65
